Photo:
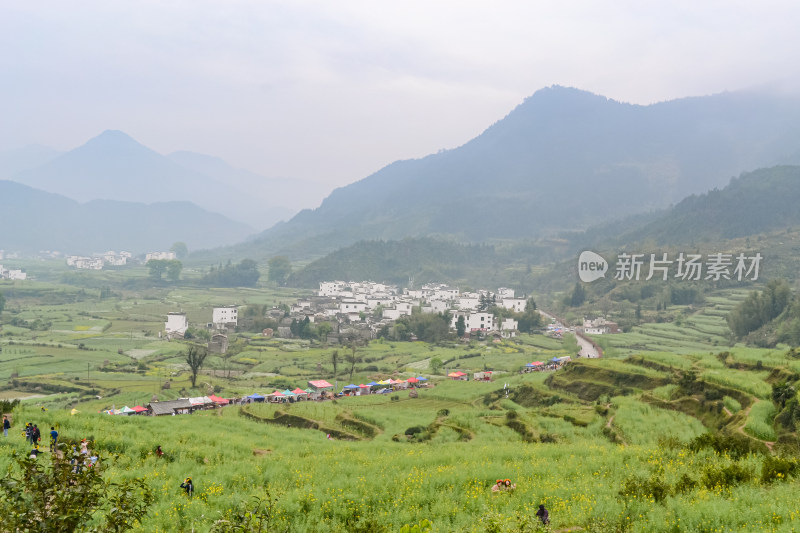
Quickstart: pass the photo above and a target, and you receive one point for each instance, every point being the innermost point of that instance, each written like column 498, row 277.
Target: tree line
column 768, row 316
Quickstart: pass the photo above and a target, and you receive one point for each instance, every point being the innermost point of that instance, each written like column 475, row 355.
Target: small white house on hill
column 176, row 325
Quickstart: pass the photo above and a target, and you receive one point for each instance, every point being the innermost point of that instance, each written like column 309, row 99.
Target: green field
column 611, row 444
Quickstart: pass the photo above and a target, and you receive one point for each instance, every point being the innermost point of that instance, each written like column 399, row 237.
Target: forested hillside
column 424, row 260
column 762, row 201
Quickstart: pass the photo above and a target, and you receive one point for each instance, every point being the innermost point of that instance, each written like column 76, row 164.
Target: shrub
column 733, row 444
column 685, row 484
column 726, row 476
column 645, row 488
column 778, row 469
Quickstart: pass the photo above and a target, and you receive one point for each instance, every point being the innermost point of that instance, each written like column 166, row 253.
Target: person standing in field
column 6, row 426
column 188, row 486
column 37, row 435
column 53, row 439
column 543, row 515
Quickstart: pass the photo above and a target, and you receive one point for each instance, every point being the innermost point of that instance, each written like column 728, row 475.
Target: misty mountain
column 113, row 166
column 34, row 220
column 562, row 160
column 25, row 158
column 280, row 198
column 762, row 201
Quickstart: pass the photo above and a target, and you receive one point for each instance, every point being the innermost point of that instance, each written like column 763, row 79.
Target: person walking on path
column 6, row 426
column 53, row 439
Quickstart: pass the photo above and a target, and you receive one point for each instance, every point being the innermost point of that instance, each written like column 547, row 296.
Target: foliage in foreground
column 66, row 495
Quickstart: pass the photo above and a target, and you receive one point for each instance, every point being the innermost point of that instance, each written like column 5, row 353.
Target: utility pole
column 87, row 372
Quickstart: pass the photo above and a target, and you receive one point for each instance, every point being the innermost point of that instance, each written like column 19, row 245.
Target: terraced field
column 690, row 332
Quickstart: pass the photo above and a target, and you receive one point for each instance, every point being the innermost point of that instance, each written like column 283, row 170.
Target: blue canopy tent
column 420, row 378
column 555, row 360
column 256, row 397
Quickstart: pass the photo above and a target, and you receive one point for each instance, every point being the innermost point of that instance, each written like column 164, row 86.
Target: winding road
column 587, row 349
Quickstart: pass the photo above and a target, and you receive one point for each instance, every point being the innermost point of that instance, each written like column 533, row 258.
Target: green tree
column 180, row 249
column 323, row 329
column 54, row 496
column 157, row 268
column 195, row 357
column 758, row 309
column 461, row 326
column 578, row 296
column 245, row 274
column 531, row 319
column 279, row 269
column 174, row 268
column 436, row 365
column 428, row 327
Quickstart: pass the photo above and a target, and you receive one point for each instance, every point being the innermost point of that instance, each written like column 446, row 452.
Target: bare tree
column 195, row 356
column 351, row 357
column 335, row 362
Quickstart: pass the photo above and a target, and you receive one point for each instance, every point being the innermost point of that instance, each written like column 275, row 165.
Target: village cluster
column 13, row 275
column 356, row 301
column 112, row 258
column 362, row 309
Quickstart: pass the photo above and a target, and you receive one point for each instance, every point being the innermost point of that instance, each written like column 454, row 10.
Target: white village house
column 225, row 317
column 176, row 325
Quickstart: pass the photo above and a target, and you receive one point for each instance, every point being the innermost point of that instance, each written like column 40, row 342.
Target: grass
column 751, row 382
column 732, row 404
column 644, row 424
column 759, row 421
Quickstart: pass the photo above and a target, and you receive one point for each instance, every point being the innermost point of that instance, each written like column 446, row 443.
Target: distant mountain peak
column 113, row 138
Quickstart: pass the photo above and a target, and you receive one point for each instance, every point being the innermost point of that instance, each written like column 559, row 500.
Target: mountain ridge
column 564, row 159
column 39, row 220
column 115, row 166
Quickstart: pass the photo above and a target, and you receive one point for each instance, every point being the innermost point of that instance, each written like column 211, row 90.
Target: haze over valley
column 347, row 267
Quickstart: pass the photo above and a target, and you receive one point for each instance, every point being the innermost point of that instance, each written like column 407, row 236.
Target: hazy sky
column 331, row 91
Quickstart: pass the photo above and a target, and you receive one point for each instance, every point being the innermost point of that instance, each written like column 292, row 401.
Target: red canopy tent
column 217, row 400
